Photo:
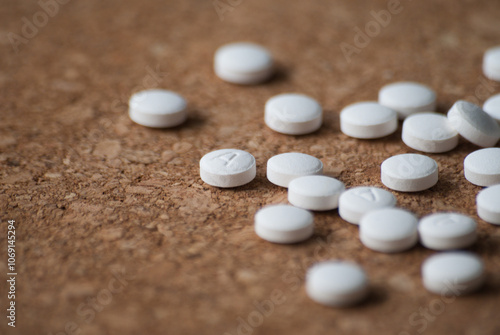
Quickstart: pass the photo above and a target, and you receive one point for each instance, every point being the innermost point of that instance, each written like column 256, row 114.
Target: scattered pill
column 482, row 167
column 319, row 193
column 492, row 107
column 429, row 132
column 227, row 168
column 243, row 63
column 157, row 108
column 474, row 124
column 453, row 273
column 445, row 231
column 368, row 120
column 409, row 172
column 407, row 98
column 336, row 283
column 491, row 63
column 284, row 224
column 389, row 230
column 357, row 201
column 283, row 168
column 488, row 204
column 293, row 114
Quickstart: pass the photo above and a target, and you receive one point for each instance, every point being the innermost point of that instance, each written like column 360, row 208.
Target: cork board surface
column 117, row 234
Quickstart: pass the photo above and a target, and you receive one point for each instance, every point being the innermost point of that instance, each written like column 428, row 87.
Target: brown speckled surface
column 116, row 233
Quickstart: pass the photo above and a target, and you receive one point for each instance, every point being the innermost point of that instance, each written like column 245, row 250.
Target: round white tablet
column 293, row 114
column 336, row 283
column 488, row 204
column 227, row 168
column 482, row 167
column 492, row 107
column 368, row 120
column 409, row 172
column 283, row 168
column 453, row 273
column 491, row 63
column 157, row 108
column 407, row 98
column 445, row 231
column 284, row 224
column 319, row 193
column 474, row 124
column 389, row 230
column 429, row 132
column 357, row 201
column 243, row 63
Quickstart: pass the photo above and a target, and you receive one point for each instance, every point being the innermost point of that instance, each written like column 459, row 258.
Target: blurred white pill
column 409, row 172
column 283, row 168
column 318, row 193
column 284, row 224
column 453, row 273
column 357, row 201
column 407, row 98
column 488, row 204
column 445, row 231
column 157, row 108
column 492, row 107
column 389, row 230
column 336, row 283
column 429, row 132
column 368, row 120
column 243, row 63
column 482, row 167
column 491, row 63
column 474, row 124
column 293, row 114
column 227, row 168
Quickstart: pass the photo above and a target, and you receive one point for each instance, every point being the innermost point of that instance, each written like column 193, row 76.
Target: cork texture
column 117, row 234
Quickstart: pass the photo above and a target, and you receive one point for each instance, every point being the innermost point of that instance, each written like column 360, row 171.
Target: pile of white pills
column 382, row 226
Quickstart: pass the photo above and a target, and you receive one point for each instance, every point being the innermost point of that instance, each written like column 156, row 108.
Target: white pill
column 453, row 273
column 488, row 204
column 319, row 193
column 243, row 63
column 474, row 124
column 157, row 108
column 368, row 120
column 409, row 172
column 492, row 107
column 357, row 201
column 407, row 98
column 389, row 230
column 284, row 224
column 491, row 63
column 293, row 114
column 227, row 168
column 445, row 231
column 336, row 283
column 429, row 132
column 482, row 167
column 283, row 168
